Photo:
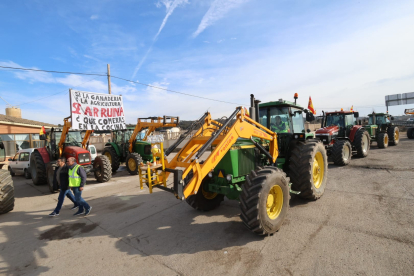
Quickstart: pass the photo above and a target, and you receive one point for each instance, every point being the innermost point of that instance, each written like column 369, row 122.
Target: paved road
column 363, row 225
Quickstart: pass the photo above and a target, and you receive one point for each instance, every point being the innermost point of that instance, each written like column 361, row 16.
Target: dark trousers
column 79, row 200
column 61, row 198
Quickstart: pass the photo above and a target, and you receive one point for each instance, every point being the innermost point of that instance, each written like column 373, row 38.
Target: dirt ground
column 363, row 225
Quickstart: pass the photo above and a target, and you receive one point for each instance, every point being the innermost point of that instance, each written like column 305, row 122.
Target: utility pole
column 109, row 79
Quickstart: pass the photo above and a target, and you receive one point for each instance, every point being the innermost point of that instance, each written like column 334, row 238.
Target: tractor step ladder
column 153, row 174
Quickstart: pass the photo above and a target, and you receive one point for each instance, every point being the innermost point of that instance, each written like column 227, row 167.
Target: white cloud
column 217, row 10
column 94, row 17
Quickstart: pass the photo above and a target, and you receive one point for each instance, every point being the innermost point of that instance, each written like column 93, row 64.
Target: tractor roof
column 60, row 129
column 281, row 103
column 340, row 112
column 380, row 114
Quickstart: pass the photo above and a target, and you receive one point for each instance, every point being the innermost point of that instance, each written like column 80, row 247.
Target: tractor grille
column 246, row 161
column 84, row 158
column 283, row 141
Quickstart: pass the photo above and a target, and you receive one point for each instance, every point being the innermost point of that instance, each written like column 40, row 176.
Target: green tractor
column 126, row 146
column 382, row 130
column 248, row 163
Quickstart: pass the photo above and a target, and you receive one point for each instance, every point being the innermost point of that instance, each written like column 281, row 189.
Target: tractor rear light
column 210, row 174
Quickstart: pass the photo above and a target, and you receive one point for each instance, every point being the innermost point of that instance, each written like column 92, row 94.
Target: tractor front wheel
column 132, row 161
column 342, row 152
column 50, row 174
column 362, row 143
column 308, row 169
column 382, row 140
column 113, row 157
column 410, row 133
column 6, row 192
column 204, row 200
column 38, row 168
column 102, row 169
column 264, row 201
column 394, row 135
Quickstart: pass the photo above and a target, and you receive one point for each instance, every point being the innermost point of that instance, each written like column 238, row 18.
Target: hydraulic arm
column 151, row 123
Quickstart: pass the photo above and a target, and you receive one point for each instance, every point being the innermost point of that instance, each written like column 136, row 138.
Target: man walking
column 61, row 178
column 77, row 180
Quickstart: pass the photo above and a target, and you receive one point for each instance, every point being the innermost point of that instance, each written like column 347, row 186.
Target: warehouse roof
column 20, row 121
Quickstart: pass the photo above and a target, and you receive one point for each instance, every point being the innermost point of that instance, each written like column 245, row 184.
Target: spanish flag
column 310, row 106
column 352, row 108
column 42, row 131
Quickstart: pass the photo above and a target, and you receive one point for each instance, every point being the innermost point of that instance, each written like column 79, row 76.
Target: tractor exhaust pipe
column 252, row 108
column 256, row 103
column 323, row 119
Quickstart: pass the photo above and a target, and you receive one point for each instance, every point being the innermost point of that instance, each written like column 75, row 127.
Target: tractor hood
column 82, row 156
column 73, row 151
column 330, row 130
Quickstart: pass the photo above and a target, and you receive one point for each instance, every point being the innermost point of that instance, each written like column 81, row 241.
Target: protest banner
column 96, row 111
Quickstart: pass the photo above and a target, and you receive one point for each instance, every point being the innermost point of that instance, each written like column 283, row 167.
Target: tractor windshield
column 276, row 119
column 335, row 120
column 73, row 138
column 380, row 119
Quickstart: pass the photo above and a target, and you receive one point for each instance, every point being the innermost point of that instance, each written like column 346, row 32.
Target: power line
column 104, row 75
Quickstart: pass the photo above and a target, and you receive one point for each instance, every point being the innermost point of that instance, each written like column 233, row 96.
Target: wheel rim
column 346, row 152
column 364, row 143
column 274, row 202
column 386, row 140
column 208, row 195
column 396, row 135
column 108, row 154
column 318, row 170
column 132, row 165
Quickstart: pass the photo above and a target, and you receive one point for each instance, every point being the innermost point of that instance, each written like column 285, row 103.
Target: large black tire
column 308, row 169
column 342, row 152
column 102, row 169
column 38, row 169
column 27, row 174
column 6, row 192
column 410, row 133
column 113, row 157
column 203, row 200
column 382, row 140
column 362, row 143
column 394, row 135
column 132, row 162
column 50, row 174
column 11, row 171
column 268, row 185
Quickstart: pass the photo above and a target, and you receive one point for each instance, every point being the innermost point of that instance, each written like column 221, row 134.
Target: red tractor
column 71, row 144
column 342, row 136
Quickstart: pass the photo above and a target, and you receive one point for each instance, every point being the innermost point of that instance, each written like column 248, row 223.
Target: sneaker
column 87, row 212
column 53, row 214
column 78, row 213
column 74, row 207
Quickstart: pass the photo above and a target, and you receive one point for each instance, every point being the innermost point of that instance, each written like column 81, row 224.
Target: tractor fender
column 354, row 130
column 45, row 155
column 115, row 146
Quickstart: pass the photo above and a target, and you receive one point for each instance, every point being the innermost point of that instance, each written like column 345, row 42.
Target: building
column 18, row 133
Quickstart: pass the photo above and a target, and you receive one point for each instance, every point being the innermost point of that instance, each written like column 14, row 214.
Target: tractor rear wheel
column 102, row 169
column 38, row 168
column 342, row 152
column 113, row 157
column 264, row 201
column 410, row 133
column 362, row 143
column 6, row 192
column 133, row 161
column 394, row 135
column 382, row 140
column 204, row 200
column 50, row 174
column 308, row 169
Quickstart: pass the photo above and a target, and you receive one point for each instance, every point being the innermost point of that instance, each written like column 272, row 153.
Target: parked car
column 20, row 163
column 92, row 150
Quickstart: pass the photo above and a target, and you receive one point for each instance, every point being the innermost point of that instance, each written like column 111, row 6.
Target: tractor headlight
column 210, row 174
column 81, row 160
column 296, row 136
column 229, row 177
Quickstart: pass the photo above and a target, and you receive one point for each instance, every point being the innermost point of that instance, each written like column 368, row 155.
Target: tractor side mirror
column 42, row 137
column 392, row 118
column 310, row 117
column 356, row 114
column 308, row 130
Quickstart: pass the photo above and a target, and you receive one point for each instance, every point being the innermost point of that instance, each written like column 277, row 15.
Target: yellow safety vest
column 74, row 178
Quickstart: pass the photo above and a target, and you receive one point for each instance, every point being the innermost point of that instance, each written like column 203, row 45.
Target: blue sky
column 341, row 53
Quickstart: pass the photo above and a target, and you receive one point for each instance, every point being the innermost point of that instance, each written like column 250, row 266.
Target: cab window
column 93, row 151
column 349, row 120
column 335, row 120
column 276, row 119
column 297, row 121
